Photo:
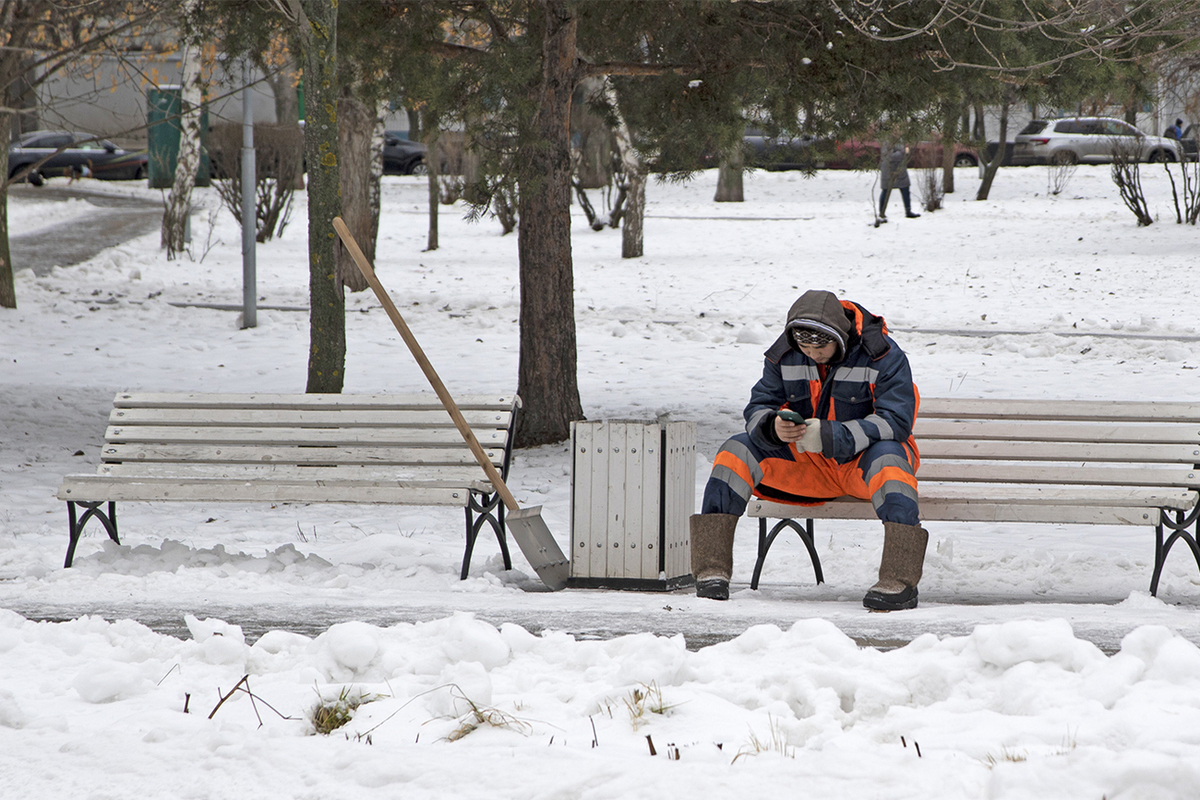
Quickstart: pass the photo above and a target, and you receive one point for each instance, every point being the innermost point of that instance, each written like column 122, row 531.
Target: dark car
column 1189, row 143
column 784, row 152
column 402, row 156
column 81, row 154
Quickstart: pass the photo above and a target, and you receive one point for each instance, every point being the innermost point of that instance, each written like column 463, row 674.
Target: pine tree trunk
column 729, row 177
column 179, row 203
column 547, row 373
column 355, row 127
column 327, row 305
column 949, row 145
column 989, row 174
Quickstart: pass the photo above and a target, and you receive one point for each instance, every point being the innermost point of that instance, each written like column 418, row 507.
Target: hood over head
column 820, row 311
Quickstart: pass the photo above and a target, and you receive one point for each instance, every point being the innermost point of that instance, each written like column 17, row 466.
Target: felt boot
column 712, row 553
column 899, row 569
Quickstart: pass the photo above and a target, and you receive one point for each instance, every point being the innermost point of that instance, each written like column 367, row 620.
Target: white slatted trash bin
column 633, row 489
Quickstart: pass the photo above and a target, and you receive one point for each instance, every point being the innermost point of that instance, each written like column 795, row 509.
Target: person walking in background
column 893, row 174
column 1175, row 131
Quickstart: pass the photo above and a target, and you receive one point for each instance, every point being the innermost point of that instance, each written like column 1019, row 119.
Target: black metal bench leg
column 109, row 521
column 765, row 540
column 491, row 512
column 1179, row 530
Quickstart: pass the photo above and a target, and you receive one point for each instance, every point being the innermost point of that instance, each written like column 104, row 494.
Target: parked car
column 921, row 154
column 84, row 154
column 1086, row 140
column 807, row 152
column 402, row 156
column 1189, row 143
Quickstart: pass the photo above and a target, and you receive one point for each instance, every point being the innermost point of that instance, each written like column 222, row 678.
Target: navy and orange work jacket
column 866, row 397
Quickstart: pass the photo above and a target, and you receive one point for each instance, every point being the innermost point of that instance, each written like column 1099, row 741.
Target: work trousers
column 884, row 474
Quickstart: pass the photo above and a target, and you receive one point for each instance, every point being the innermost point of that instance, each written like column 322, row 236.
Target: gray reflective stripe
column 892, row 460
column 856, row 374
column 733, row 481
column 885, row 430
column 893, row 488
column 756, row 419
column 861, row 442
column 743, row 454
column 799, row 372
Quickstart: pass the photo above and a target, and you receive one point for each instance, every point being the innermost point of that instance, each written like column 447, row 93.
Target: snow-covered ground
column 1036, row 666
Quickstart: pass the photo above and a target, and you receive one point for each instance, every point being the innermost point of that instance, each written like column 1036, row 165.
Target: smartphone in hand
column 790, row 416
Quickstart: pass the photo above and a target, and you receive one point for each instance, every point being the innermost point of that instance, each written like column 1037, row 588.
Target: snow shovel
column 525, row 524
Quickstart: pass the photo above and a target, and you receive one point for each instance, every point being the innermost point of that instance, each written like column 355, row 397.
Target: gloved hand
column 811, row 440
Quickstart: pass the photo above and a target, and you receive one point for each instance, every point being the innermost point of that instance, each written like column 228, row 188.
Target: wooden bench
column 1042, row 461
column 297, row 448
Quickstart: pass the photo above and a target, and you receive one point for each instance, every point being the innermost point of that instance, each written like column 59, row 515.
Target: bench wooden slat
column 969, row 511
column 302, row 401
column 99, row 488
column 1058, row 451
column 465, row 475
column 1172, row 433
column 1097, row 410
column 1156, row 496
column 273, row 417
column 250, row 454
column 1061, row 473
column 317, row 437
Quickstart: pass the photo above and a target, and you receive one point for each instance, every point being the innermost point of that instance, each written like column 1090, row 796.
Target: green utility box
column 163, row 105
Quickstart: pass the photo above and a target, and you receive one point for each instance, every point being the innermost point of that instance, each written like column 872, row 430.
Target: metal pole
column 249, row 226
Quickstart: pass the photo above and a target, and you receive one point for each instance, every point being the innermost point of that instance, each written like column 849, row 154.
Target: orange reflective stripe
column 735, row 464
column 890, row 474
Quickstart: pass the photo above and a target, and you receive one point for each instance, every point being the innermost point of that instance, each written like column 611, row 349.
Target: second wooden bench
column 296, row 448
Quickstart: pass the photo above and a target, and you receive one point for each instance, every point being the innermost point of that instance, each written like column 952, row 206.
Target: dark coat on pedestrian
column 893, row 168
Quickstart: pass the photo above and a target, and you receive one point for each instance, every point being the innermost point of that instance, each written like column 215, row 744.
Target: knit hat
column 819, row 311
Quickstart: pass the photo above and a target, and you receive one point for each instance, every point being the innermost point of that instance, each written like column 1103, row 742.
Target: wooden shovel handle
column 443, row 394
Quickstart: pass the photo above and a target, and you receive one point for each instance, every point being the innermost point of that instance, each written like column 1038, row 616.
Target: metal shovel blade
column 538, row 546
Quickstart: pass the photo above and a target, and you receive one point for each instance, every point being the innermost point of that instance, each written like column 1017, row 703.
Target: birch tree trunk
column 634, row 215
column 179, row 202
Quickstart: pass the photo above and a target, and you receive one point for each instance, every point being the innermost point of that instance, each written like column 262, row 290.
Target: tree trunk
column 729, row 177
column 375, row 188
column 547, row 379
column 8, row 287
column 979, row 133
column 327, row 305
column 949, row 145
column 283, row 87
column 634, row 214
column 432, row 174
column 632, row 236
column 354, row 131
column 989, row 174
column 179, row 203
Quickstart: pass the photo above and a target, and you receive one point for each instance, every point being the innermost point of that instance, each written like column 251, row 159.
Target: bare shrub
column 1058, row 175
column 279, row 154
column 1127, row 176
column 1189, row 212
column 929, row 187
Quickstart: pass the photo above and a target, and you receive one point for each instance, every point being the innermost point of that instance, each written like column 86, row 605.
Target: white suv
column 1086, row 140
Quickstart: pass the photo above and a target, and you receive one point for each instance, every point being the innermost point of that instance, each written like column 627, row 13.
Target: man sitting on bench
column 831, row 416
